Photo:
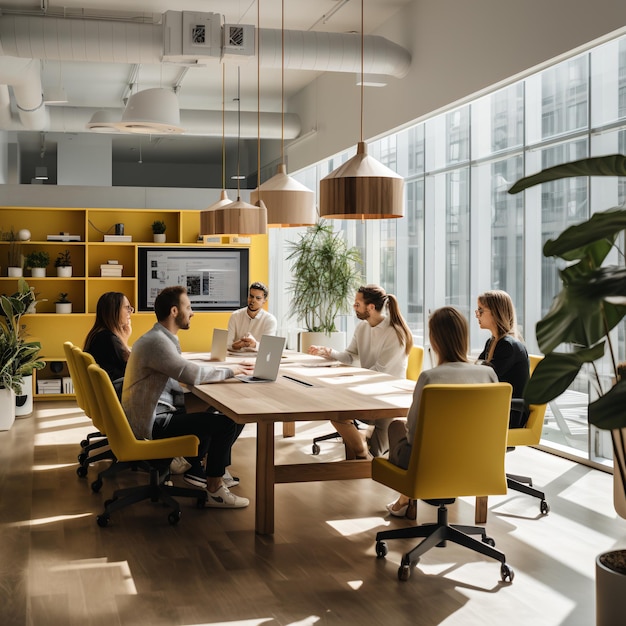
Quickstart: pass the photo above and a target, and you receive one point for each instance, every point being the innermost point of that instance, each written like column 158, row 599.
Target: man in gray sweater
column 154, row 399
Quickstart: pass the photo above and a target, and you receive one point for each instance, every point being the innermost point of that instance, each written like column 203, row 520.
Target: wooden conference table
column 305, row 393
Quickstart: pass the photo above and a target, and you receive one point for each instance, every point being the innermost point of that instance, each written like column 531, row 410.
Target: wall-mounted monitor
column 216, row 278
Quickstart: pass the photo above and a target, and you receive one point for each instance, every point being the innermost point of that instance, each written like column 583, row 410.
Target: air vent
column 238, row 41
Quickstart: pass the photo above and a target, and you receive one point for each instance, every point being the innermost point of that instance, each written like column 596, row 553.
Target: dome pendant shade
column 152, row 111
column 240, row 218
column 207, row 217
column 362, row 188
column 289, row 202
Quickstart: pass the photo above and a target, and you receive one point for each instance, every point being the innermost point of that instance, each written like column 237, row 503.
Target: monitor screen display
column 216, row 278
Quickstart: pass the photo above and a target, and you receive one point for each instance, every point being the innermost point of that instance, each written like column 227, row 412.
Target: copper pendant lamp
column 289, row 202
column 207, row 217
column 362, row 188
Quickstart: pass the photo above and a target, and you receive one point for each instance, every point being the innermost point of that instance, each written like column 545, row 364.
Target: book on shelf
column 63, row 237
column 111, row 273
column 111, row 266
column 118, row 237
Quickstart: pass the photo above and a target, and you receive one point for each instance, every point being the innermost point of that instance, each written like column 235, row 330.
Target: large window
column 463, row 233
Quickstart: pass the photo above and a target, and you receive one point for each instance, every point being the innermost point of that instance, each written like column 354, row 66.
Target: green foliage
column 15, row 249
column 37, row 259
column 18, row 357
column 592, row 300
column 64, row 259
column 158, row 227
column 326, row 275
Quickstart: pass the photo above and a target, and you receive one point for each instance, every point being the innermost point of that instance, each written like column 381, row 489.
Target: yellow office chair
column 127, row 448
column 458, row 450
column 413, row 370
column 530, row 435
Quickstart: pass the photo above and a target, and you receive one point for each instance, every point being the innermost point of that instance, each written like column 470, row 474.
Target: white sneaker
column 179, row 465
column 224, row 499
column 230, row 481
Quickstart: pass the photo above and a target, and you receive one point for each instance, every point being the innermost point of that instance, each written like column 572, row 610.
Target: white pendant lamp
column 152, row 111
column 289, row 202
column 362, row 188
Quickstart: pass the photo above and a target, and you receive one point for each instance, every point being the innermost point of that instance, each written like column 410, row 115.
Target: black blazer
column 510, row 362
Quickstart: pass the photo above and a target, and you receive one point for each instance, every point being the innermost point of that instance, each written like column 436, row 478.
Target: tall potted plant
column 18, row 357
column 325, row 276
column 63, row 263
column 591, row 303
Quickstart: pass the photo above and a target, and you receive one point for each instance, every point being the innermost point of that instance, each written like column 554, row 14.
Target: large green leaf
column 594, row 237
column 556, row 372
column 609, row 165
column 609, row 411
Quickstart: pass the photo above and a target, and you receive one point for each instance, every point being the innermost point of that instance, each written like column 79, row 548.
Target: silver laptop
column 267, row 360
column 218, row 344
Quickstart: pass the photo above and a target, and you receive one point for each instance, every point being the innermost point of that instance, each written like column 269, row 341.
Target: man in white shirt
column 381, row 343
column 246, row 326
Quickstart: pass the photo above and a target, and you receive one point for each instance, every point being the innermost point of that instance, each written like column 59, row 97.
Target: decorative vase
column 7, row 408
column 24, row 402
column 159, row 238
column 63, row 307
column 610, row 588
column 336, row 340
column 38, row 272
column 64, row 271
column 14, row 272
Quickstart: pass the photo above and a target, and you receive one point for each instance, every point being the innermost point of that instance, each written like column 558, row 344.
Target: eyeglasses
column 130, row 309
column 479, row 311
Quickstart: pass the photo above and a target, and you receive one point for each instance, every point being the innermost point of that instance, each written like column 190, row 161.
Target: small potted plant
column 63, row 263
column 15, row 255
column 37, row 262
column 158, row 231
column 63, row 305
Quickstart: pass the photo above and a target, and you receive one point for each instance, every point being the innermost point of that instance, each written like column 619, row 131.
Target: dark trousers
column 215, row 431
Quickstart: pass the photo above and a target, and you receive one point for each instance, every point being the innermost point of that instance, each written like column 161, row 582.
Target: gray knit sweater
column 151, row 382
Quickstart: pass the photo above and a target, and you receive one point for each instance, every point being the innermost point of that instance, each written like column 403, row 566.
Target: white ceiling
column 102, row 85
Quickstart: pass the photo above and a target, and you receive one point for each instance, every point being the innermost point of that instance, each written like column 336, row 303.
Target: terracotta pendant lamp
column 362, row 188
column 289, row 202
column 239, row 218
column 207, row 217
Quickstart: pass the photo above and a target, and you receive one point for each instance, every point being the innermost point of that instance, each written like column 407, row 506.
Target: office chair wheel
column 82, row 457
column 81, row 471
column 96, row 485
column 200, row 503
column 84, row 443
column 506, row 573
column 103, row 520
column 381, row 549
column 174, row 517
column 490, row 541
column 544, row 507
column 315, row 449
column 404, row 571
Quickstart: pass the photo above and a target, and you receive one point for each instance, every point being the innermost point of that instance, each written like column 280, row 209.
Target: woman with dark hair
column 382, row 342
column 107, row 341
column 448, row 331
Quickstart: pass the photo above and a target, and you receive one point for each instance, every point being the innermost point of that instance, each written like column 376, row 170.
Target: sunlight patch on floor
column 347, row 527
column 47, row 520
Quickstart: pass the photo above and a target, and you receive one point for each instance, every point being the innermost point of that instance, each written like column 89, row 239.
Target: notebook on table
column 267, row 360
column 218, row 344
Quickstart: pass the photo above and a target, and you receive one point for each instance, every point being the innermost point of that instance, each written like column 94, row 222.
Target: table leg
column 265, row 479
column 480, row 513
column 289, row 429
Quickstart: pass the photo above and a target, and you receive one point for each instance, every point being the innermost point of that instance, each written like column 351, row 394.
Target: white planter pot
column 7, row 408
column 63, row 307
column 610, row 594
column 24, row 402
column 64, row 272
column 336, row 341
column 38, row 272
column 159, row 238
column 14, row 272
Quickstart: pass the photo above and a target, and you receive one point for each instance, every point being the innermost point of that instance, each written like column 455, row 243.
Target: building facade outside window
column 463, row 233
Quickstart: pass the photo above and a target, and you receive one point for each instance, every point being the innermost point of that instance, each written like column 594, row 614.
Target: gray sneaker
column 224, row 499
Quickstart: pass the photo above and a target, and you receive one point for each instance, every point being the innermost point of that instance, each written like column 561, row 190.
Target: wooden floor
column 58, row 568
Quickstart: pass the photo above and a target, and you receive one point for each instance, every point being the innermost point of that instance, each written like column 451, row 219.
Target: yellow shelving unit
column 86, row 285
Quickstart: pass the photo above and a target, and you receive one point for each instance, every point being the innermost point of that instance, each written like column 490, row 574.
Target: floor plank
column 58, row 568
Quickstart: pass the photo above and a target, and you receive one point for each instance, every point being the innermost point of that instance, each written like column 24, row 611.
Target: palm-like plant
column 326, row 274
column 18, row 357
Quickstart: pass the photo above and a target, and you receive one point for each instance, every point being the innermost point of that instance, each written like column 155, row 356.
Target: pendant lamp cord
column 362, row 63
column 223, row 128
column 258, row 97
column 238, row 131
column 282, row 85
